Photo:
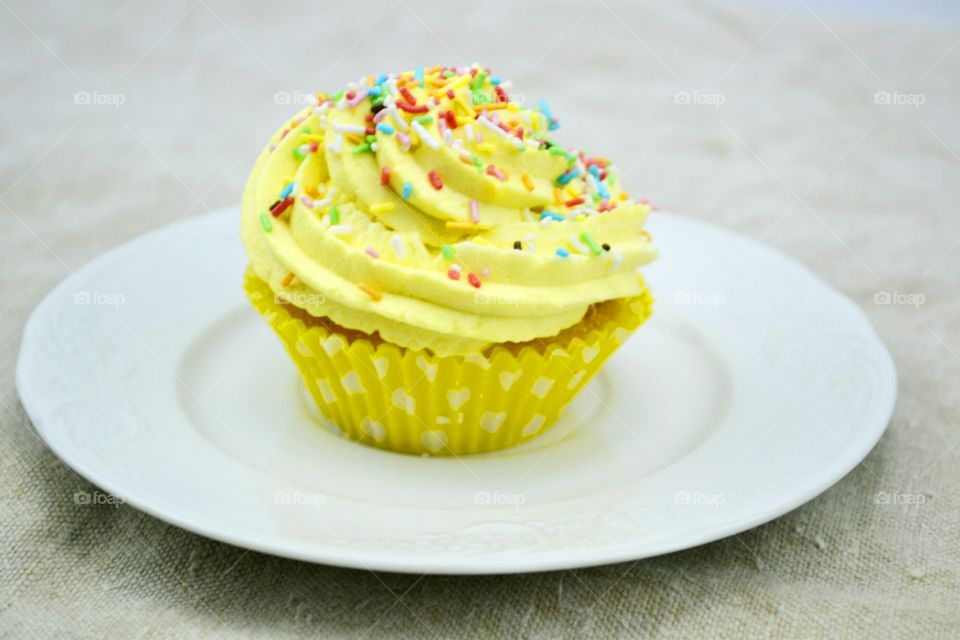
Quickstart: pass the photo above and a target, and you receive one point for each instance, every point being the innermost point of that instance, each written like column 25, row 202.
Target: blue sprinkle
column 407, row 190
column 546, row 213
column 381, row 79
column 546, row 110
column 567, row 176
column 418, row 74
column 602, row 190
column 495, row 80
column 386, row 128
column 374, row 91
column 287, row 190
column 553, row 126
column 563, row 253
column 594, row 171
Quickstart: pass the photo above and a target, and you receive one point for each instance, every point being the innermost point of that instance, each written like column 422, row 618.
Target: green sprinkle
column 478, row 81
column 448, row 74
column 590, row 242
column 297, row 153
column 611, row 178
column 447, row 252
column 557, row 151
column 371, row 139
column 334, row 215
column 363, row 148
column 265, row 222
column 424, row 119
column 336, row 97
column 479, row 97
column 306, row 130
column 377, row 100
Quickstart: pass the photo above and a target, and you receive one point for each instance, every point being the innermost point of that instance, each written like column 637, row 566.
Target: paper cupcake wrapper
column 415, row 402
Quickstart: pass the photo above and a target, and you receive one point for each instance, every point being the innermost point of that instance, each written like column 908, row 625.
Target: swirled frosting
column 428, row 207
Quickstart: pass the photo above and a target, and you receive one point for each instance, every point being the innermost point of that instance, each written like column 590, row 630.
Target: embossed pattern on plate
column 752, row 389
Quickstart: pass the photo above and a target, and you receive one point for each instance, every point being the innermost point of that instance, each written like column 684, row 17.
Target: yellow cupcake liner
column 415, row 402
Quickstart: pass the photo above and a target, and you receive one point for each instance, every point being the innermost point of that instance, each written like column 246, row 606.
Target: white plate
column 752, row 389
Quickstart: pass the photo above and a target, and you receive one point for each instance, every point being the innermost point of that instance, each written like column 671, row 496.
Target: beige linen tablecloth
column 118, row 118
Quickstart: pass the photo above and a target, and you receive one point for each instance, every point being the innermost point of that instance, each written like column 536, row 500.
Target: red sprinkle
column 574, row 202
column 314, row 146
column 409, row 108
column 474, row 280
column 283, row 206
column 495, row 172
column 435, row 180
column 451, row 120
column 370, row 131
column 453, row 274
column 409, row 96
column 351, row 95
column 501, row 94
column 385, row 176
column 451, row 94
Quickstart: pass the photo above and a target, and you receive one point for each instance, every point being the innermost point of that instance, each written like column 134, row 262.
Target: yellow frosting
column 520, row 238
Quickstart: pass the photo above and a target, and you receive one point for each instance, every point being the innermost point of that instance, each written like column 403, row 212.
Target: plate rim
column 782, row 501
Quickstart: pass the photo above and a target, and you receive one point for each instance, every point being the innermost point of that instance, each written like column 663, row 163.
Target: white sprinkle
column 427, row 139
column 397, row 118
column 320, row 204
column 341, row 229
column 397, row 243
column 455, row 267
column 348, row 128
column 500, row 132
column 572, row 238
column 468, row 132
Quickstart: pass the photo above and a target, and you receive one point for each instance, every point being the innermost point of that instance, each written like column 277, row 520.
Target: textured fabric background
column 799, row 154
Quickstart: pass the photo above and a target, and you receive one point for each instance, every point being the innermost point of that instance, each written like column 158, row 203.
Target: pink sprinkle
column 474, row 212
column 357, row 99
column 479, row 137
column 383, row 113
column 485, row 272
column 404, row 140
column 307, row 202
column 373, row 253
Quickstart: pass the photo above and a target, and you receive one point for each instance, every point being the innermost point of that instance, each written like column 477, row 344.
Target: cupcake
column 444, row 274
